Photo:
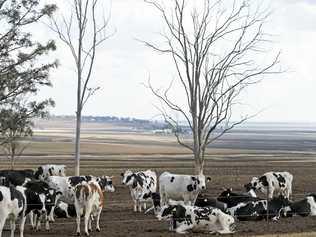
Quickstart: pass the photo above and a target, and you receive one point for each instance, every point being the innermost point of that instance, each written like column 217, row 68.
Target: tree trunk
column 12, row 162
column 77, row 142
column 199, row 162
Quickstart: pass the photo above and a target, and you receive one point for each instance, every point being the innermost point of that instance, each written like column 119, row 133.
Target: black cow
column 232, row 199
column 17, row 177
column 259, row 210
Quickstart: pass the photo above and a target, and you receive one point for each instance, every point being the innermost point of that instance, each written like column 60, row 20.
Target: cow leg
column 135, row 205
column 90, row 224
column 22, row 223
column 37, row 220
column 182, row 229
column 51, row 214
column 139, row 205
column 98, row 220
column 87, row 218
column 47, row 227
column 78, row 218
column 12, row 226
column 2, row 221
column 145, row 206
column 31, row 216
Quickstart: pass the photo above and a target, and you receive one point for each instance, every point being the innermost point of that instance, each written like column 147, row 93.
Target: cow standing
column 141, row 185
column 18, row 202
column 89, row 200
column 51, row 197
column 273, row 183
column 180, row 187
column 67, row 185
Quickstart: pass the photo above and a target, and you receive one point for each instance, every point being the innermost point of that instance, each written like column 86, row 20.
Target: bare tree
column 82, row 32
column 216, row 53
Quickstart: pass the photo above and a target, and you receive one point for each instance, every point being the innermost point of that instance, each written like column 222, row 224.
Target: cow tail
column 82, row 192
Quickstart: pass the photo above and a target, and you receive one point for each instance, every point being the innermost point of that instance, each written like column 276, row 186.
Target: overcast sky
column 123, row 64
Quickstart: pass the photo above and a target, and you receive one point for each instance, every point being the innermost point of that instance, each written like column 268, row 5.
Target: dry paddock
column 118, row 219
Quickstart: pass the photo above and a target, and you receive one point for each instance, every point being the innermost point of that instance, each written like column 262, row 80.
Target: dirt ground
column 118, row 219
column 231, row 162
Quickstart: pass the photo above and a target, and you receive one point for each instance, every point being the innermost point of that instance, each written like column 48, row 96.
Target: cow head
column 225, row 195
column 39, row 174
column 256, row 184
column 166, row 212
column 225, row 220
column 128, row 178
column 61, row 171
column 51, row 197
column 106, row 183
column 198, row 183
column 4, row 181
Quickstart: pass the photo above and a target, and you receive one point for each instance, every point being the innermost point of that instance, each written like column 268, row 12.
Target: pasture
column 231, row 162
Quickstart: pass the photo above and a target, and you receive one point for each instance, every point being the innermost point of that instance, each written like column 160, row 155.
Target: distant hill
column 121, row 123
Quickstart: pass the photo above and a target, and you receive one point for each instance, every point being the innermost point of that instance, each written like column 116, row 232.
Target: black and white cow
column 51, row 196
column 259, row 210
column 232, row 198
column 18, row 202
column 183, row 218
column 17, row 177
column 270, row 183
column 202, row 200
column 44, row 171
column 206, row 201
column 141, row 185
column 305, row 207
column 181, row 187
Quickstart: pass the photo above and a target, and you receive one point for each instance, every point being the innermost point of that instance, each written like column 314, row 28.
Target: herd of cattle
column 48, row 193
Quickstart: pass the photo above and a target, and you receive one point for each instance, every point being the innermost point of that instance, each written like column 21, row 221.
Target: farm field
column 231, row 162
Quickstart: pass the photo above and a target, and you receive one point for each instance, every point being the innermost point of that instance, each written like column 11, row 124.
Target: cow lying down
column 305, row 207
column 183, row 218
column 202, row 200
column 259, row 209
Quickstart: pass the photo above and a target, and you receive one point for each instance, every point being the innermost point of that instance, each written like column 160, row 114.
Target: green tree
column 24, row 69
column 16, row 122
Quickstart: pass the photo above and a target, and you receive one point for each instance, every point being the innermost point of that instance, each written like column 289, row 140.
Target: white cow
column 184, row 218
column 270, row 183
column 44, row 171
column 89, row 200
column 181, row 187
column 141, row 185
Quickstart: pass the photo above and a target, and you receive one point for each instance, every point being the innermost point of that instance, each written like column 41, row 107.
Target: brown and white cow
column 89, row 199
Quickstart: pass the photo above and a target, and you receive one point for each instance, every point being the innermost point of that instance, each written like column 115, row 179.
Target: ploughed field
column 112, row 153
